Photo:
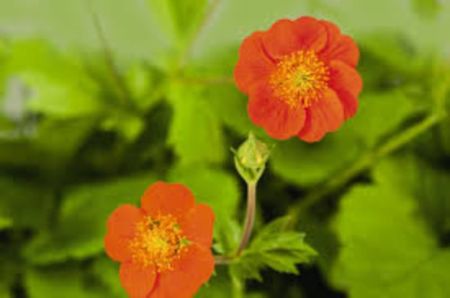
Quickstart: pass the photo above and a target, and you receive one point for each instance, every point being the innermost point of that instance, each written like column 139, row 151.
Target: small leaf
column 275, row 248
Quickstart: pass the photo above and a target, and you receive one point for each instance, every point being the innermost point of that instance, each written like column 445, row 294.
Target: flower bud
column 250, row 159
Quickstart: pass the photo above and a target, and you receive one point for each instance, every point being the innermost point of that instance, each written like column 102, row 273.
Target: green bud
column 251, row 158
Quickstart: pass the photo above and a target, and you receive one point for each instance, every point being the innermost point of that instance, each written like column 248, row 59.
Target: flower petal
column 339, row 46
column 137, row 281
column 345, row 77
column 323, row 116
column 280, row 120
column 286, row 36
column 198, row 225
column 349, row 103
column 167, row 198
column 116, row 247
column 189, row 273
column 123, row 220
column 253, row 65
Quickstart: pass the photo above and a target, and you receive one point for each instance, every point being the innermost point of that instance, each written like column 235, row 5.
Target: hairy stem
column 363, row 163
column 249, row 217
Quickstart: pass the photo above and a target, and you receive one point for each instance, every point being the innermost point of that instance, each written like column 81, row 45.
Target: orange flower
column 300, row 78
column 164, row 246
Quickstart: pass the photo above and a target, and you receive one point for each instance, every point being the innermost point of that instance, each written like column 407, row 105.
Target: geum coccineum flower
column 300, row 78
column 164, row 246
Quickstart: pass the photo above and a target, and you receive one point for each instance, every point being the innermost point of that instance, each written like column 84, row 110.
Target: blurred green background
column 99, row 98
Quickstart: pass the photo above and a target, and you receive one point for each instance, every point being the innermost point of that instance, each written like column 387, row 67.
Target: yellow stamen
column 158, row 242
column 300, row 78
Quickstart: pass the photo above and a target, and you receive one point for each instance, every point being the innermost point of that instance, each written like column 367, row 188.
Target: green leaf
column 59, row 85
column 307, row 164
column 219, row 286
column 408, row 174
column 107, row 272
column 387, row 251
column 5, row 222
column 129, row 126
column 274, row 247
column 61, row 138
column 369, row 126
column 427, row 8
column 195, row 132
column 19, row 202
column 219, row 190
column 81, row 226
column 226, row 101
column 180, row 17
column 52, row 282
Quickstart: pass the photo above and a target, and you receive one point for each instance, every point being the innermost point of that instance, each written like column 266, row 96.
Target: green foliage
column 84, row 128
column 274, row 248
column 52, row 282
column 195, row 131
column 18, row 209
column 388, row 250
column 52, row 77
column 179, row 17
column 85, row 209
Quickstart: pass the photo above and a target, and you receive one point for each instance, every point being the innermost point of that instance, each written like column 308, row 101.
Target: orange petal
column 253, row 65
column 286, row 36
column 189, row 273
column 345, row 77
column 323, row 116
column 339, row 46
column 198, row 225
column 137, row 281
column 349, row 103
column 167, row 198
column 116, row 247
column 280, row 120
column 123, row 220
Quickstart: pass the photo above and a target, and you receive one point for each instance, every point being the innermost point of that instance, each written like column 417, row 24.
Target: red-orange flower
column 300, row 78
column 164, row 246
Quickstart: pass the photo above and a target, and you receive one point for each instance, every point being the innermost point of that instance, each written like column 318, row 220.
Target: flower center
column 300, row 78
column 158, row 242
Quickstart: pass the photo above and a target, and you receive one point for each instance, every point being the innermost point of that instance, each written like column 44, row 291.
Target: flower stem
column 249, row 217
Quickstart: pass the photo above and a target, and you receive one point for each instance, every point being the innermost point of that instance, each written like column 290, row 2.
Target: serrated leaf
column 387, row 251
column 81, row 226
column 427, row 185
column 195, row 132
column 274, row 248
